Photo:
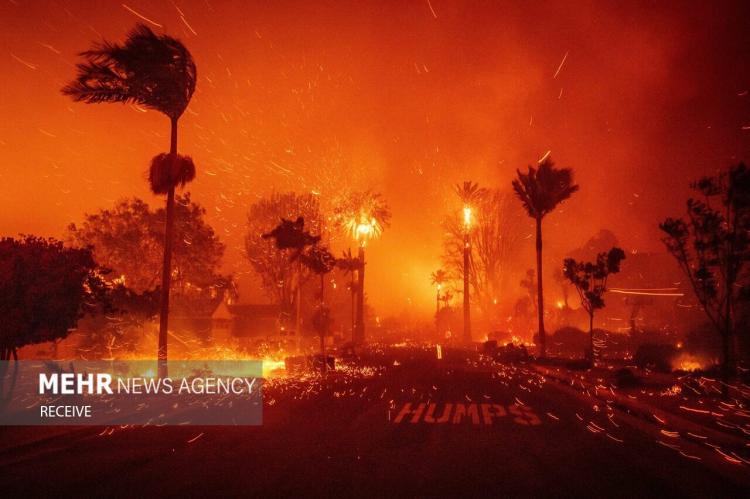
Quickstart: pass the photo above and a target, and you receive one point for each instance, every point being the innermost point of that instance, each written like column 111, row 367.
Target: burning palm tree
column 363, row 215
column 540, row 191
column 156, row 72
column 469, row 193
column 438, row 278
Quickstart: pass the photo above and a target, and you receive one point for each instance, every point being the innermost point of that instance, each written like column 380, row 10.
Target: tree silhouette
column 350, row 264
column 438, row 278
column 446, row 299
column 469, row 193
column 590, row 280
column 320, row 261
column 44, row 289
column 275, row 268
column 157, row 72
column 712, row 248
column 496, row 233
column 291, row 235
column 540, row 191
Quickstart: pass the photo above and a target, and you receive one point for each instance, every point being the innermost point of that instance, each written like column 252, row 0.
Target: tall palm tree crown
column 438, row 277
column 541, row 190
column 154, row 71
column 469, row 192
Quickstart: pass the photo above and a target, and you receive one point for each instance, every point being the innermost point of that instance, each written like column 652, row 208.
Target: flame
column 271, row 367
column 364, row 228
column 467, row 216
column 688, row 363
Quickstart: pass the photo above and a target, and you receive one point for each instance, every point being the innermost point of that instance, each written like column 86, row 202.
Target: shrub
column 658, row 357
column 569, row 341
column 625, row 378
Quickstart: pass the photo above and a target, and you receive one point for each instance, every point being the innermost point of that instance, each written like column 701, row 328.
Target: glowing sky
column 407, row 97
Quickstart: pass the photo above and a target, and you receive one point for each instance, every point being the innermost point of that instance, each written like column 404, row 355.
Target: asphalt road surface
column 469, row 429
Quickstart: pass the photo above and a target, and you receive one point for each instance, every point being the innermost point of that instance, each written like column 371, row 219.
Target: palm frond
column 541, row 189
column 170, row 170
column 469, row 192
column 155, row 71
column 440, row 276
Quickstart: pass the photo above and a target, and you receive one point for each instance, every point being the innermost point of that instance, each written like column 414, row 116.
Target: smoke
column 638, row 98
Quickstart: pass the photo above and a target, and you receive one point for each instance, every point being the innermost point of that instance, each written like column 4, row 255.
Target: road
column 483, row 430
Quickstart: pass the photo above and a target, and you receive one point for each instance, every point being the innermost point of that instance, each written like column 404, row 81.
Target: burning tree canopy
column 129, row 239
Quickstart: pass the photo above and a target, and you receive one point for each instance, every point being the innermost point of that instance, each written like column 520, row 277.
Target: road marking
column 459, row 412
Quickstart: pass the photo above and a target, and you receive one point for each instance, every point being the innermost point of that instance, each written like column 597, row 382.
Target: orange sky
column 406, row 97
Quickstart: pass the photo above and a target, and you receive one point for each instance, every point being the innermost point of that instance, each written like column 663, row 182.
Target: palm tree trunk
column 467, row 301
column 591, row 339
column 166, row 272
column 727, row 366
column 437, row 313
column 359, row 337
column 298, row 314
column 353, row 292
column 539, row 293
column 323, row 332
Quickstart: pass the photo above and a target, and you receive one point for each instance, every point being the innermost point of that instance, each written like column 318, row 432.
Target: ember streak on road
column 340, row 433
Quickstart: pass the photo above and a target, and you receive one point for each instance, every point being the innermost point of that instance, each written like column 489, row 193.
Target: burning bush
column 689, row 363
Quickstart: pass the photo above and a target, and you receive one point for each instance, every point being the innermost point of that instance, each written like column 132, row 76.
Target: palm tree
column 320, row 261
column 350, row 264
column 446, row 299
column 363, row 215
column 438, row 278
column 469, row 193
column 156, row 72
column 540, row 191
